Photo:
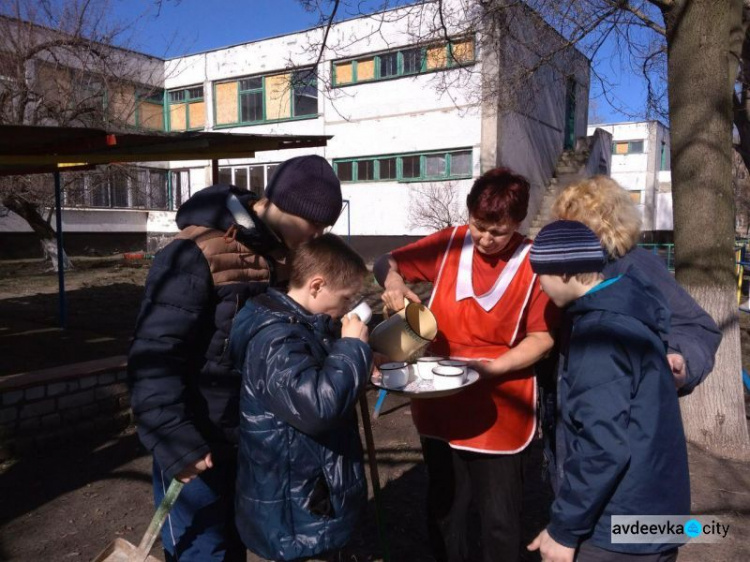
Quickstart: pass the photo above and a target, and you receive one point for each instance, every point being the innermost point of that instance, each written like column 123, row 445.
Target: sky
column 182, row 27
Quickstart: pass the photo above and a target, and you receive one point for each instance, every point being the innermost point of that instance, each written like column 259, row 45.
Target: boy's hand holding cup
column 353, row 326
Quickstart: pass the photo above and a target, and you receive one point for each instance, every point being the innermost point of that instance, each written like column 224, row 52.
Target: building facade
column 411, row 111
column 641, row 164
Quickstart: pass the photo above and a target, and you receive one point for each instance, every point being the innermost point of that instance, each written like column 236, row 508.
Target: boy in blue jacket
column 300, row 480
column 620, row 444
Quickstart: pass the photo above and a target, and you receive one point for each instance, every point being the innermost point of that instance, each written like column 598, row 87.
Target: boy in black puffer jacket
column 184, row 391
column 300, row 481
column 620, row 447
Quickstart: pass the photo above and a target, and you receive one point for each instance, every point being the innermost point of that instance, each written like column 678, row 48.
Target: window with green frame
column 627, row 147
column 404, row 62
column 417, row 166
column 271, row 97
column 186, row 109
column 149, row 112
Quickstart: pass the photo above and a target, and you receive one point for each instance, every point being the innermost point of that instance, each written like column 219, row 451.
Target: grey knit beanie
column 307, row 186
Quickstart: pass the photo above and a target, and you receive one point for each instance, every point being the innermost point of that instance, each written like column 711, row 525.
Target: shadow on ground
column 100, row 324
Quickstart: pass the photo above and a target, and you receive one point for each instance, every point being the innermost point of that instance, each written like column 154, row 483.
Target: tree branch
column 641, row 15
column 328, row 30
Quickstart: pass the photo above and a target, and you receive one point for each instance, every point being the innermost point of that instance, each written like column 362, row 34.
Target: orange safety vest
column 495, row 416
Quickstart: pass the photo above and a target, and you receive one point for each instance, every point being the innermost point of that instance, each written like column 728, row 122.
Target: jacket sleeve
column 693, row 333
column 596, row 415
column 310, row 395
column 177, row 305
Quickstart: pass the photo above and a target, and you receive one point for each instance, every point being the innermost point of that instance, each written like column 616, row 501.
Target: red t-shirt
column 421, row 260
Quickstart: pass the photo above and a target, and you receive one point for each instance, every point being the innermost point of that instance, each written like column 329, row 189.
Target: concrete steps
column 569, row 168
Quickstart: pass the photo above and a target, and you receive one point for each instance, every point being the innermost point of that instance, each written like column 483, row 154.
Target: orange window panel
column 365, row 69
column 227, row 109
column 343, row 73
column 278, row 97
column 436, row 57
column 177, row 117
column 151, row 116
column 197, row 112
column 621, row 148
column 463, row 51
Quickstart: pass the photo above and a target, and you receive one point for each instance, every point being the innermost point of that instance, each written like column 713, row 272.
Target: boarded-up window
column 278, row 97
column 186, row 109
column 177, row 117
column 151, row 116
column 226, row 103
column 343, row 73
column 463, row 51
column 436, row 57
column 365, row 69
column 197, row 112
column 121, row 104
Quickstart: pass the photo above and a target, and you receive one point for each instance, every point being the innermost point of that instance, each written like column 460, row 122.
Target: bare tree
column 65, row 63
column 690, row 53
column 435, row 206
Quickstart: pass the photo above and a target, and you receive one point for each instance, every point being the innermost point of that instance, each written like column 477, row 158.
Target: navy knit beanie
column 307, row 186
column 566, row 247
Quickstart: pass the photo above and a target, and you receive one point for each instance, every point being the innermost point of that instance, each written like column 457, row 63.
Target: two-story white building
column 641, row 164
column 409, row 108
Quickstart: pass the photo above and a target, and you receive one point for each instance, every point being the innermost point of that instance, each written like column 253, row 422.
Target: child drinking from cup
column 300, row 481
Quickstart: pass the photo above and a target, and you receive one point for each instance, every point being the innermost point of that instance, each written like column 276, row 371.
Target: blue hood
column 631, row 295
column 274, row 307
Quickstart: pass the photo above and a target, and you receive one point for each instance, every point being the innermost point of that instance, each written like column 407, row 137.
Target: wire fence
column 742, row 262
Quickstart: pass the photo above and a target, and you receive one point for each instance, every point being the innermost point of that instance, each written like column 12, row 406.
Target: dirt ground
column 68, row 504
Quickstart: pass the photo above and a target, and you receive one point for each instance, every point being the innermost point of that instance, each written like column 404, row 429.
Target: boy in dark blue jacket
column 620, row 444
column 300, row 480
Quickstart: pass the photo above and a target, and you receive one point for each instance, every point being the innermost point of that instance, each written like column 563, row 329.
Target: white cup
column 464, row 365
column 395, row 375
column 362, row 310
column 447, row 377
column 425, row 365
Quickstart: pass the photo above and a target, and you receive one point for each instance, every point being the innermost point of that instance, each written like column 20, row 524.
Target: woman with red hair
column 490, row 310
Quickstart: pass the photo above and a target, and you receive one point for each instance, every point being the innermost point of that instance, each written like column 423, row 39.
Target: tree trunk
column 44, row 232
column 701, row 73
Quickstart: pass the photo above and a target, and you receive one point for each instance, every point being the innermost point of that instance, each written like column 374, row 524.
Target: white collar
column 464, row 283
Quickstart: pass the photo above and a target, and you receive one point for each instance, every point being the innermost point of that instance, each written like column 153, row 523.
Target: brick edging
column 20, row 381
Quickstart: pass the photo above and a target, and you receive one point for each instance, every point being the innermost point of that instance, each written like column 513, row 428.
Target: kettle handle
column 387, row 311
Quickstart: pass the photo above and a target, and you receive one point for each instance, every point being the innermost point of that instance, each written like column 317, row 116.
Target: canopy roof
column 28, row 149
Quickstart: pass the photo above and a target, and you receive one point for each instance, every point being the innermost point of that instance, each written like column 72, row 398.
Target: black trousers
column 458, row 480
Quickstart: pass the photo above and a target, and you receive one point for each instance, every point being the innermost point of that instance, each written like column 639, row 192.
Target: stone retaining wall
column 54, row 406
